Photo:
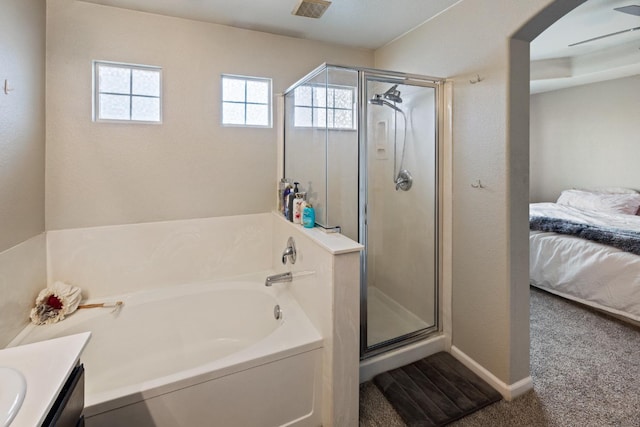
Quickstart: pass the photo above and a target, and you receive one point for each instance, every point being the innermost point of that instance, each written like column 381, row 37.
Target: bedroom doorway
column 574, row 177
column 518, row 185
column 523, row 173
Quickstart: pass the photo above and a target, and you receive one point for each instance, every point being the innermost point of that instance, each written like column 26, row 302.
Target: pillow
column 610, row 190
column 613, row 203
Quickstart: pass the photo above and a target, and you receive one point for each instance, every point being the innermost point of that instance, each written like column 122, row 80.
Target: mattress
column 591, row 273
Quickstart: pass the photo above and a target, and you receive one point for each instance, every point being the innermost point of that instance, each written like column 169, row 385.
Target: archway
column 518, row 163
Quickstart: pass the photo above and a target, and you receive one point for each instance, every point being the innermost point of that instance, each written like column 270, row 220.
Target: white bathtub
column 210, row 354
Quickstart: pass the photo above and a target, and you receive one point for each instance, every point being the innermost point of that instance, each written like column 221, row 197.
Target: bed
column 586, row 247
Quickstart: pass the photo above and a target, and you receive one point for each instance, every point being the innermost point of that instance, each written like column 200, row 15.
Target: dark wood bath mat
column 435, row 391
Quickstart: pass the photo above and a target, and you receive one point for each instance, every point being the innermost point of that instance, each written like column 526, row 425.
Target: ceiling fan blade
column 605, row 36
column 633, row 9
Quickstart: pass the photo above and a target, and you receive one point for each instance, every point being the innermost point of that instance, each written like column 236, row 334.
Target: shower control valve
column 289, row 253
column 404, row 181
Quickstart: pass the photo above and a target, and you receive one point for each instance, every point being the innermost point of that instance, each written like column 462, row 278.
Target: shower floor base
column 387, row 319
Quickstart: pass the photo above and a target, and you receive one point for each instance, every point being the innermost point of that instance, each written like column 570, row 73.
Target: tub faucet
column 279, row 278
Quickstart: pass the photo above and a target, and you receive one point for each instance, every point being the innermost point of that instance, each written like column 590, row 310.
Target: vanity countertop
column 46, row 365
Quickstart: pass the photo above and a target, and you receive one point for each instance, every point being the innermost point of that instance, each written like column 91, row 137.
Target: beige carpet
column 585, row 368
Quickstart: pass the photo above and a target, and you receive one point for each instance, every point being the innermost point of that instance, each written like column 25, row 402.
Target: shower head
column 393, row 94
column 378, row 100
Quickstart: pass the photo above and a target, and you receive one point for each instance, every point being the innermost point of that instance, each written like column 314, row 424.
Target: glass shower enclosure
column 363, row 145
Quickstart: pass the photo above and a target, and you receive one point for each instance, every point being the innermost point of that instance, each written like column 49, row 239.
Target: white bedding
column 594, row 274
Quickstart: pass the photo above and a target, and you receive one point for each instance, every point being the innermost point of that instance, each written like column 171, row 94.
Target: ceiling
column 556, row 65
column 371, row 24
column 368, row 24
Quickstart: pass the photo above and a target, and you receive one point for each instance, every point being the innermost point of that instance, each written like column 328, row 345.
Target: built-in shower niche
column 321, row 145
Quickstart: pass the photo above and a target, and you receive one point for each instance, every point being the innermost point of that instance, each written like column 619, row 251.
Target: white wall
column 585, row 137
column 22, row 120
column 22, row 117
column 188, row 167
column 489, row 245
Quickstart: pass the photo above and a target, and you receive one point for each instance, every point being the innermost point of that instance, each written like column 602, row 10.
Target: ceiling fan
column 631, row 10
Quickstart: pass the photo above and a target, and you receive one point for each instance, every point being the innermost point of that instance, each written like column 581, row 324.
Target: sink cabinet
column 69, row 405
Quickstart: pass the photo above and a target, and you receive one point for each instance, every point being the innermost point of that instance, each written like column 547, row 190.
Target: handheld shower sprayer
column 403, row 179
column 379, row 100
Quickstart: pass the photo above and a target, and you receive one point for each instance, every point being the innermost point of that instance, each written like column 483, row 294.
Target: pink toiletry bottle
column 298, row 206
column 290, row 200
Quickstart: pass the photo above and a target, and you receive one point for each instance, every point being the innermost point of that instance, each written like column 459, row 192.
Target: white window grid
column 325, row 112
column 97, row 116
column 246, row 103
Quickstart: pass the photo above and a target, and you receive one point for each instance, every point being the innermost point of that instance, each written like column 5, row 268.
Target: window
column 125, row 92
column 246, row 101
column 325, row 106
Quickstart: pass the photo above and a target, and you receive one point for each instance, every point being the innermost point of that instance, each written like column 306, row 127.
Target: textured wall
column 22, row 142
column 22, row 116
column 188, row 167
column 585, row 137
column 468, row 39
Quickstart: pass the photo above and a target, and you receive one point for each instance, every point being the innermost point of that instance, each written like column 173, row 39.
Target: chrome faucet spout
column 279, row 278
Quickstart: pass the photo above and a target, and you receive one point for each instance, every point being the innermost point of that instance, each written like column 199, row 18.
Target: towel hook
column 477, row 79
column 477, row 184
column 7, row 89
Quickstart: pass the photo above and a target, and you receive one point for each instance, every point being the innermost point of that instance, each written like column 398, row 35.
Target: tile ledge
column 334, row 243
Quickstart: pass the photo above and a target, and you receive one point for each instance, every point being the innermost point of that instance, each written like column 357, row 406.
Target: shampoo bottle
column 282, row 185
column 285, row 201
column 308, row 216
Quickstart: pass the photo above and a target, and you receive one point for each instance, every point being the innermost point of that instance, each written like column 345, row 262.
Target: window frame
column 246, row 79
column 333, row 109
column 96, row 91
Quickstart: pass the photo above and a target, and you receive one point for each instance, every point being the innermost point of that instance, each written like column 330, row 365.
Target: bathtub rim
column 296, row 335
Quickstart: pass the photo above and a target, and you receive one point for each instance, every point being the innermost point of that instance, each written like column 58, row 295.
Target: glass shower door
column 399, row 201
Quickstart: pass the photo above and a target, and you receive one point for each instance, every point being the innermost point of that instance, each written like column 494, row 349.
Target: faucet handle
column 404, row 180
column 289, row 252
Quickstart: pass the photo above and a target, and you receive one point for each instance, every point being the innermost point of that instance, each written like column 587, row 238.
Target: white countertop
column 46, row 365
column 334, row 243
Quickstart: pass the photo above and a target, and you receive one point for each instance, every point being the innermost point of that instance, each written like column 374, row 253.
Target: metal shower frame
column 393, row 77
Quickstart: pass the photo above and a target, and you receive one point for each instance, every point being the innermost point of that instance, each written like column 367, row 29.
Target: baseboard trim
column 401, row 356
column 508, row 392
